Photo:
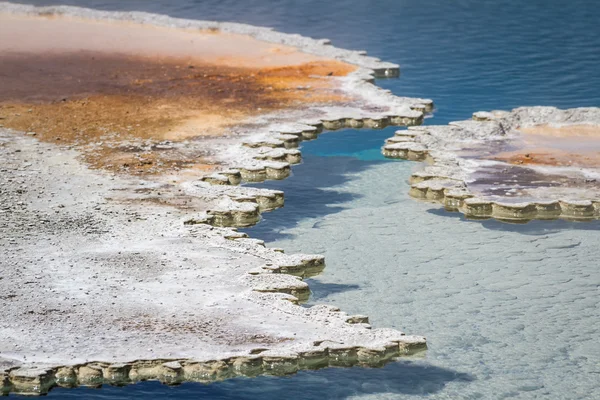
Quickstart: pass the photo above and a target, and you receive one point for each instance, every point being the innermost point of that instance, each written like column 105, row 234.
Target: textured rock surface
column 120, row 277
column 530, row 163
column 92, row 278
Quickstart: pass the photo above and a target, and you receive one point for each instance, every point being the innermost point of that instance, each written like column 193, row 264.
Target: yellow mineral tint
column 114, row 89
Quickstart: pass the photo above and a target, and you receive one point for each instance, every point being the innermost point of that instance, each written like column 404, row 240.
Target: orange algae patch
column 562, row 146
column 124, row 102
column 549, row 157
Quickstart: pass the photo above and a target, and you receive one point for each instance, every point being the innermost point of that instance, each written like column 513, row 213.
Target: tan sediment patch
column 64, row 34
column 566, row 131
column 562, row 146
column 103, row 85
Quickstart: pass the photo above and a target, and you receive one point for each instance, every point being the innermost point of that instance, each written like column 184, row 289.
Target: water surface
column 510, row 311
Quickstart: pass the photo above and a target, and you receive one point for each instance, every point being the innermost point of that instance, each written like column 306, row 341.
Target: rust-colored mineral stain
column 99, row 97
column 549, row 157
column 563, row 146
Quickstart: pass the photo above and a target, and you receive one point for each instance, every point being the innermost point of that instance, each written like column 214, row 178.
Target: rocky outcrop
column 114, row 278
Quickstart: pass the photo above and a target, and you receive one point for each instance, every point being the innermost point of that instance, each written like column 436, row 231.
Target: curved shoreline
column 265, row 280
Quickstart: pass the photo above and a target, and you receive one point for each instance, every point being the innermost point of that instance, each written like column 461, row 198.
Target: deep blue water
column 467, row 56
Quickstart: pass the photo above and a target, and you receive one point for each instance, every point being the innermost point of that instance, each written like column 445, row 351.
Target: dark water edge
column 399, row 378
column 467, row 56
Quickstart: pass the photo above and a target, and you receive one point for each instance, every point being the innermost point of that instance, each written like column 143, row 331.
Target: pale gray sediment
column 483, row 167
column 99, row 286
column 115, row 279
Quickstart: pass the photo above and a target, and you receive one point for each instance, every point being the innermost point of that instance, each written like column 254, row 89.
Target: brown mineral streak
column 100, row 85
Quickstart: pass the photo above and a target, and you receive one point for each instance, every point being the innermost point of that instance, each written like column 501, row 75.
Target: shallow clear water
column 510, row 311
column 513, row 306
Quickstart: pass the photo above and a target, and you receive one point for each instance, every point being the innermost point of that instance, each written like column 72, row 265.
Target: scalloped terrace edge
column 40, row 380
column 269, row 164
column 444, row 181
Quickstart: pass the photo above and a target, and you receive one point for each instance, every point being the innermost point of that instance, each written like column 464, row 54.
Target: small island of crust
column 530, row 163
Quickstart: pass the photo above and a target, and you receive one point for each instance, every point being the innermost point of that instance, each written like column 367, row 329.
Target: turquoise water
column 510, row 311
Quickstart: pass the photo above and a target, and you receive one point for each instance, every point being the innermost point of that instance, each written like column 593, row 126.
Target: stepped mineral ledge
column 124, row 138
column 529, row 163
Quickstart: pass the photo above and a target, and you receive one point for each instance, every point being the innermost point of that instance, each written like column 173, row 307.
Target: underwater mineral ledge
column 530, row 163
column 121, row 264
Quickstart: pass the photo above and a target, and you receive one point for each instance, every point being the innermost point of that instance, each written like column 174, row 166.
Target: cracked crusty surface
column 90, row 279
column 97, row 262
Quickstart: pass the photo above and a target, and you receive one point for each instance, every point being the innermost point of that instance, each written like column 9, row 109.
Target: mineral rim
column 123, row 139
column 530, row 163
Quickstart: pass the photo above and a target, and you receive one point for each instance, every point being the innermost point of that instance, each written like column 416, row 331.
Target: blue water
column 467, row 56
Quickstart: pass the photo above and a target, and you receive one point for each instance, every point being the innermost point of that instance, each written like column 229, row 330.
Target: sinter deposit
column 121, row 158
column 530, row 163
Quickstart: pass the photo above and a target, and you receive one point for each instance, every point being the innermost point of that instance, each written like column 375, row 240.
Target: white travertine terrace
column 530, row 163
column 103, row 280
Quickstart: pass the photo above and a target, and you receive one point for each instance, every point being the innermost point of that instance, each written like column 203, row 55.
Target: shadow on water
column 320, row 290
column 328, row 162
column 402, row 377
column 309, row 193
column 535, row 227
